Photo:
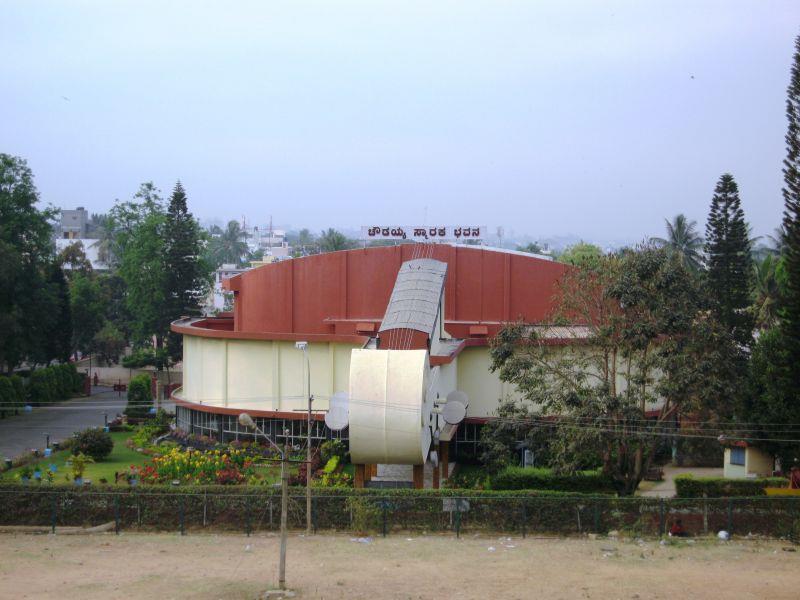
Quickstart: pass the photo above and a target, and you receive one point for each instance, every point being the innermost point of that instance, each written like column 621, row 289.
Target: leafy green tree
column 766, row 292
column 581, row 254
column 87, row 312
column 332, row 240
column 531, row 247
column 186, row 274
column 140, row 247
column 74, row 259
column 643, row 341
column 27, row 301
column 60, row 338
column 729, row 262
column 109, row 343
column 228, row 246
column 114, row 292
column 683, row 239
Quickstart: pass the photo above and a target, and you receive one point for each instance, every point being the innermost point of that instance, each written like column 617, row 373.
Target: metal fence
column 385, row 514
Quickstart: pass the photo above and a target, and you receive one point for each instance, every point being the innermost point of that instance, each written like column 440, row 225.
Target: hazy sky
column 596, row 119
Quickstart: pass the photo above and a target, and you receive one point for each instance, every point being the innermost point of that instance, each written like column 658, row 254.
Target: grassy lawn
column 120, row 459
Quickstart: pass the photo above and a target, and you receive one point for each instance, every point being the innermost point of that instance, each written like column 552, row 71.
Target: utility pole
column 245, row 420
column 284, row 509
column 304, row 347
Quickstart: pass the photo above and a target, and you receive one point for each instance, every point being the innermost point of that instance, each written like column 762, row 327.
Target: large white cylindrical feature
column 388, row 420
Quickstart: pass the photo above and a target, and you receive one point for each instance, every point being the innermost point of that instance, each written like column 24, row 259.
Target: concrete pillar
column 367, row 473
column 419, row 477
column 436, row 477
column 444, row 458
column 358, row 479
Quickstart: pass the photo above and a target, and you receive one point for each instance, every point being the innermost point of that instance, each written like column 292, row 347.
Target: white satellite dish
column 458, row 396
column 454, row 412
column 337, row 417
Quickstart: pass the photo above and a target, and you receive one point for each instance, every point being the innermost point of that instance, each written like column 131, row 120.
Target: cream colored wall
column 483, row 388
column 758, row 462
column 262, row 375
column 730, row 471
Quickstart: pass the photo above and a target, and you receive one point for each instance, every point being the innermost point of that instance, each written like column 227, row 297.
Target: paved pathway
column 666, row 488
column 27, row 430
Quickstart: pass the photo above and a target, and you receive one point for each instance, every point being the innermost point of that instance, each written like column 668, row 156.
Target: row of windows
column 227, row 428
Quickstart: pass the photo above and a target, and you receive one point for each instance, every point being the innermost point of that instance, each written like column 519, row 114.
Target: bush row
column 12, row 395
column 53, row 384
column 530, row 478
column 168, row 508
column 687, row 486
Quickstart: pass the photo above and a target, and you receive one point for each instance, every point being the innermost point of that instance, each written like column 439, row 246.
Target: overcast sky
column 593, row 119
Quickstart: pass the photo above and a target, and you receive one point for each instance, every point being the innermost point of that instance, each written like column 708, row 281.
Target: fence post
column 116, row 514
column 458, row 523
column 383, row 526
column 54, row 513
column 524, row 518
column 248, row 512
column 730, row 516
column 596, row 514
column 660, row 517
column 705, row 513
column 205, row 509
column 182, row 511
column 314, row 508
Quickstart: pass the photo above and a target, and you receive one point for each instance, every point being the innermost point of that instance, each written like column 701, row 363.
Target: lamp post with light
column 245, row 420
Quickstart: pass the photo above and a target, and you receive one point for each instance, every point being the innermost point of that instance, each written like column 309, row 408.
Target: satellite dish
column 454, row 412
column 458, row 396
column 337, row 417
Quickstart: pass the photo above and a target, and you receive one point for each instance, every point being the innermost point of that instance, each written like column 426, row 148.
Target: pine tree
column 729, row 262
column 790, row 314
column 186, row 276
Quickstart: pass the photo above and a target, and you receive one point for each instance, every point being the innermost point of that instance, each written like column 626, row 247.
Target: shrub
column 333, row 448
column 687, row 486
column 7, row 397
column 530, row 478
column 93, row 442
column 39, row 389
column 140, row 400
column 19, row 389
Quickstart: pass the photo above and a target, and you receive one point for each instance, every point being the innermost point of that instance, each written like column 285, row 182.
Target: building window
column 737, row 456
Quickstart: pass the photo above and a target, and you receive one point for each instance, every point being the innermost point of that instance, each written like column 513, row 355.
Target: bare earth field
column 415, row 567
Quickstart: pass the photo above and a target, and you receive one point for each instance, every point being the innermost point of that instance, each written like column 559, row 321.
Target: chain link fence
column 385, row 513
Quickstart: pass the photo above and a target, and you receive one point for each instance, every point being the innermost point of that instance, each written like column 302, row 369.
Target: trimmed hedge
column 93, row 442
column 687, row 486
column 53, row 384
column 221, row 508
column 531, row 478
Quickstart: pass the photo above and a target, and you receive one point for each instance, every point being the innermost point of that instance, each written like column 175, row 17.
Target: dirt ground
column 408, row 567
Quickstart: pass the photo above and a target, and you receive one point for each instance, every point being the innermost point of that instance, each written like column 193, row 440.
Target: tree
column 332, row 241
column 186, row 275
column 581, row 254
column 74, row 258
column 139, row 245
column 109, row 343
column 642, row 339
column 531, row 247
column 227, row 246
column 87, row 312
column 766, row 292
column 729, row 262
column 60, row 338
column 27, row 302
column 683, row 239
column 790, row 309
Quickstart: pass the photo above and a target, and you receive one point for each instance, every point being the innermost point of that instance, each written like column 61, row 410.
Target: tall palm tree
column 332, row 240
column 228, row 245
column 765, row 292
column 683, row 239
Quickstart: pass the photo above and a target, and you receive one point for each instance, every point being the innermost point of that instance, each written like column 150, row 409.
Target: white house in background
column 216, row 299
column 743, row 460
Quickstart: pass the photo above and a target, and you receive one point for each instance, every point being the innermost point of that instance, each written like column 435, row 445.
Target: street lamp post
column 304, row 347
column 245, row 420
